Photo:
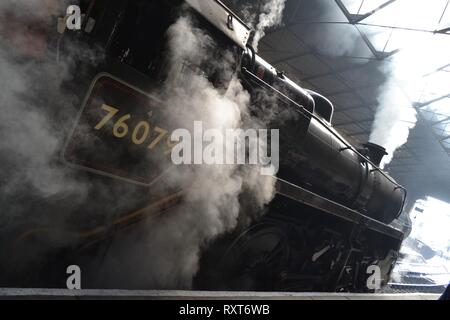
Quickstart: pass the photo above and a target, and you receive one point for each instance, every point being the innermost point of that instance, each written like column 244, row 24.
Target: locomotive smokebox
column 375, row 152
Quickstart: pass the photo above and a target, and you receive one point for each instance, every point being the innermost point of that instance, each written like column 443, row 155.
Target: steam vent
column 187, row 150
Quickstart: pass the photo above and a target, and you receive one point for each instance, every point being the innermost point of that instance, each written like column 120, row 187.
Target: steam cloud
column 261, row 15
column 405, row 72
column 212, row 205
column 272, row 16
column 410, row 75
column 31, row 108
column 414, row 69
column 394, row 119
column 37, row 115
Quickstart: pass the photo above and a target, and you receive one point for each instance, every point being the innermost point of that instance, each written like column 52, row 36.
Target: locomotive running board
column 316, row 201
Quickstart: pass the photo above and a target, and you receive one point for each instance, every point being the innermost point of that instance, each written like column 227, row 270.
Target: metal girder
column 443, row 31
column 420, row 105
column 446, row 29
column 438, row 137
column 355, row 18
column 441, row 69
column 380, row 55
column 441, row 121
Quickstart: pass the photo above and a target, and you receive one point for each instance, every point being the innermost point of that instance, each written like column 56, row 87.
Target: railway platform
column 199, row 295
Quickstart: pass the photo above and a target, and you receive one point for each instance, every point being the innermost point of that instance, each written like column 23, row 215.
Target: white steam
column 411, row 79
column 212, row 202
column 271, row 16
column 37, row 116
column 172, row 246
column 394, row 119
column 31, row 139
column 260, row 15
column 406, row 82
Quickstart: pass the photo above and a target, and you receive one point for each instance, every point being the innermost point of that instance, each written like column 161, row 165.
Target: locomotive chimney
column 375, row 152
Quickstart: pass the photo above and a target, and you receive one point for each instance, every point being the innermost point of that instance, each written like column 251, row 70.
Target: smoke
column 38, row 113
column 394, row 119
column 169, row 254
column 412, row 77
column 31, row 108
column 271, row 16
column 406, row 79
column 260, row 15
column 394, row 116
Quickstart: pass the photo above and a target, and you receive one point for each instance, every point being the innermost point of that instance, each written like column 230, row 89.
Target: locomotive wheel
column 256, row 260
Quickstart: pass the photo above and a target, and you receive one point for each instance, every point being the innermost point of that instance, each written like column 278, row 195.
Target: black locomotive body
column 329, row 221
column 319, row 159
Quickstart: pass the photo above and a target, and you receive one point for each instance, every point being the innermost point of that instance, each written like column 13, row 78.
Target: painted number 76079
column 142, row 133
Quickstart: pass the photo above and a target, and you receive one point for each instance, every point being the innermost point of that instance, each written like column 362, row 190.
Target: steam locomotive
column 330, row 220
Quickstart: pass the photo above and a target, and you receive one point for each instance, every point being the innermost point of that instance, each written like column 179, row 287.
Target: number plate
column 121, row 132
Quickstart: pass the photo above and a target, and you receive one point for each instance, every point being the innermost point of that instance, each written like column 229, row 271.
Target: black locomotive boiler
column 330, row 221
